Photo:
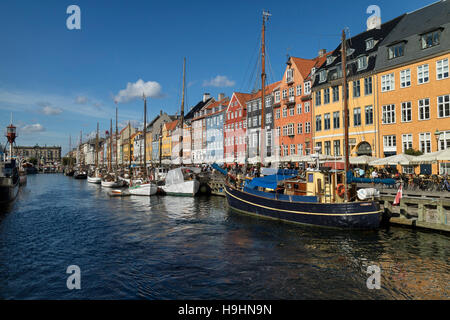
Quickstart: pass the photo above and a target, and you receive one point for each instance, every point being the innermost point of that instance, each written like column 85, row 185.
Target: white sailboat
column 145, row 189
column 96, row 177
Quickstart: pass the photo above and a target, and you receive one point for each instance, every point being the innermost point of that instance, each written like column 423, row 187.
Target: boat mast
column 70, row 152
column 344, row 89
column 182, row 115
column 263, row 80
column 116, row 142
column 110, row 148
column 96, row 149
column 129, row 146
column 145, row 136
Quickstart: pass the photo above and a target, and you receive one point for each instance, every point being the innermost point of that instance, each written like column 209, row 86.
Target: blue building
column 214, row 130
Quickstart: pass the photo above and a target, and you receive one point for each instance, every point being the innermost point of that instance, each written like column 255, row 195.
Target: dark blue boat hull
column 352, row 215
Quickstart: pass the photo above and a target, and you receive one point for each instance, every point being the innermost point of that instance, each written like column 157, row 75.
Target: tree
column 34, row 161
column 412, row 152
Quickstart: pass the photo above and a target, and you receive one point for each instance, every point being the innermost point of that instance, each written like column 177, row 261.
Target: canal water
column 195, row 248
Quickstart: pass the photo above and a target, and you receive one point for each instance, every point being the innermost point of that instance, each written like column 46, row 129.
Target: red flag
column 399, row 196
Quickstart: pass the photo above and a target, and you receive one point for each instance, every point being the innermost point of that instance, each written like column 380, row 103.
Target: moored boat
column 9, row 181
column 80, row 174
column 145, row 189
column 181, row 182
column 95, row 180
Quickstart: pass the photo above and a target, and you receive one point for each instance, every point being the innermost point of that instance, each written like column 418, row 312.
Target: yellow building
column 167, row 131
column 413, row 85
column 328, row 114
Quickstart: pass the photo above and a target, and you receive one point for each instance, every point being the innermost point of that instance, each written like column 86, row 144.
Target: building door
column 364, row 149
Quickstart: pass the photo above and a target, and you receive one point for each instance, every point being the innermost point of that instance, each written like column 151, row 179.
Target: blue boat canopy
column 270, row 182
column 218, row 168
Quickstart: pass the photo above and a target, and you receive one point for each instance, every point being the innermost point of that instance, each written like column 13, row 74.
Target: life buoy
column 340, row 190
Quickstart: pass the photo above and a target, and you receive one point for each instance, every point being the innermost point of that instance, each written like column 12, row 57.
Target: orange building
column 413, row 85
column 293, row 107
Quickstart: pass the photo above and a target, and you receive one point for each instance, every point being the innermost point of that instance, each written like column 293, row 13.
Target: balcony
column 290, row 101
column 290, row 80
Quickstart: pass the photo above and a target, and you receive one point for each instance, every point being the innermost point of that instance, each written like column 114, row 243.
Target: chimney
column 160, row 113
column 206, row 96
column 221, row 96
column 322, row 52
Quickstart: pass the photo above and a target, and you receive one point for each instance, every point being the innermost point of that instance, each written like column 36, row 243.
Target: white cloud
column 49, row 110
column 32, row 128
column 81, row 100
column 135, row 90
column 219, row 81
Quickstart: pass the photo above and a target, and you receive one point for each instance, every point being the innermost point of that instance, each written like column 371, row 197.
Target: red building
column 235, row 128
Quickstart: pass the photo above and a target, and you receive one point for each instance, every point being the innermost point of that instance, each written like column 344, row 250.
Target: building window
column 444, row 140
column 335, row 93
column 308, row 127
column 337, row 147
column 362, row 63
column 326, row 121
column 292, row 148
column 424, row 109
column 406, row 112
column 319, row 147
column 405, row 78
column 285, row 150
column 284, row 112
column 370, row 43
column 299, row 128
column 336, row 120
column 396, row 51
column 442, row 69
column 425, row 142
column 277, row 114
column 357, row 117
column 387, row 82
column 388, row 114
column 299, row 90
column 289, row 75
column 307, row 87
column 368, row 86
column 291, row 91
column 284, row 94
column 356, row 89
column 268, row 118
column 291, row 111
column 277, row 96
column 390, row 143
column 327, row 146
column 299, row 108
column 406, row 142
column 369, row 115
column 326, row 96
column 322, row 76
column 319, row 123
column 306, row 107
column 318, row 98
column 278, row 132
column 444, row 106
column 430, row 39
column 423, row 74
column 300, row 149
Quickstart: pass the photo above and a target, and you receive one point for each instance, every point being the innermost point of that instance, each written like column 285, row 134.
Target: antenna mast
column 182, row 114
column 344, row 89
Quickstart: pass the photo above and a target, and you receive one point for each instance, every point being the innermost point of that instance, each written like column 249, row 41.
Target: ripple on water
column 194, row 248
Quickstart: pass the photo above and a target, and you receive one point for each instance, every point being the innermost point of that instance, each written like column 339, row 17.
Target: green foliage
column 412, row 152
column 34, row 161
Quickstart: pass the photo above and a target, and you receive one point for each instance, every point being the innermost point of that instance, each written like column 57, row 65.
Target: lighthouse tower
column 11, row 135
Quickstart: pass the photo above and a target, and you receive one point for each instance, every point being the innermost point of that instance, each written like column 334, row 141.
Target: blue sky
column 58, row 81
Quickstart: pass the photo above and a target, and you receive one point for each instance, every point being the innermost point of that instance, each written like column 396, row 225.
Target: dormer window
column 330, row 60
column 362, row 63
column 322, row 76
column 289, row 75
column 431, row 39
column 313, row 70
column 370, row 44
column 350, row 51
column 396, row 50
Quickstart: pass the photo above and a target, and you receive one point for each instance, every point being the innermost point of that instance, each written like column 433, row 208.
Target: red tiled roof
column 269, row 89
column 171, row 125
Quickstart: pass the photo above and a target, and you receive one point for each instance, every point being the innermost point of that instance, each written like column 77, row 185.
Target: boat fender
column 340, row 190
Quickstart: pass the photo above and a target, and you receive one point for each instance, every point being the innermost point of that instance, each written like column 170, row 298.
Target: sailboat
column 323, row 198
column 95, row 177
column 111, row 180
column 80, row 172
column 181, row 181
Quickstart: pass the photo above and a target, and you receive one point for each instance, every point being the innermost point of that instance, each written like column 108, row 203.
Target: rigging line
column 250, row 62
column 270, row 65
column 254, row 72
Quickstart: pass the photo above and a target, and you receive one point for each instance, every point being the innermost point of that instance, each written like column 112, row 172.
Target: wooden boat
column 80, row 174
column 110, row 182
column 145, row 189
column 288, row 200
column 95, row 180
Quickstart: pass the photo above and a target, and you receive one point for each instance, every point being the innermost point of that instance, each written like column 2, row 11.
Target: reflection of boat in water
column 80, row 174
column 9, row 181
column 181, row 182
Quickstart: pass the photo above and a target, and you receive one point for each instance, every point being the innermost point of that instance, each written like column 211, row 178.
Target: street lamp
column 437, row 134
